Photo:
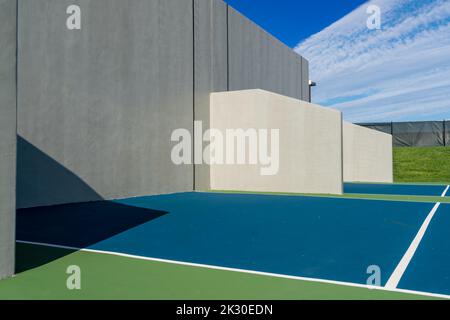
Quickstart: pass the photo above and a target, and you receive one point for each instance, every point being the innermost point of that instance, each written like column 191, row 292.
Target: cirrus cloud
column 401, row 72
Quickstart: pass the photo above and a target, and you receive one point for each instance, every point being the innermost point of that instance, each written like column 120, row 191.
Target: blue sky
column 398, row 73
column 294, row 20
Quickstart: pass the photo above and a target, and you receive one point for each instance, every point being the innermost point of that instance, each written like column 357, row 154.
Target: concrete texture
column 257, row 60
column 310, row 152
column 367, row 155
column 8, row 135
column 210, row 67
column 233, row 53
column 97, row 106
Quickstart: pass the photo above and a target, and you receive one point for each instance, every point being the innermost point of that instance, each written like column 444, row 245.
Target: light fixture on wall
column 311, row 84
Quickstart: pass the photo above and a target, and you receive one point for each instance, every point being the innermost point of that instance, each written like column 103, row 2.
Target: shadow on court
column 74, row 225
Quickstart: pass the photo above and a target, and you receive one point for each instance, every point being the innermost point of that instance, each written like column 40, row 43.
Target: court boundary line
column 259, row 273
column 400, row 270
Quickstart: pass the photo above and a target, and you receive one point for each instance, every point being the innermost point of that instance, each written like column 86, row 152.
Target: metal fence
column 415, row 134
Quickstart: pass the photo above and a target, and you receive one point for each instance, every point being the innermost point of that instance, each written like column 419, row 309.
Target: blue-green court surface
column 321, row 238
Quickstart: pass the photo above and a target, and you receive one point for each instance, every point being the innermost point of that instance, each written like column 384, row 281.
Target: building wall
column 367, row 155
column 97, row 106
column 211, row 65
column 8, row 135
column 257, row 60
column 233, row 53
column 310, row 149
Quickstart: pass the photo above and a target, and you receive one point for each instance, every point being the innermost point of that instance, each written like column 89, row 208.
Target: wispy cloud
column 401, row 72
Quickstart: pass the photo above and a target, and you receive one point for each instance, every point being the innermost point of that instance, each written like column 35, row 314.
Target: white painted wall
column 367, row 155
column 310, row 143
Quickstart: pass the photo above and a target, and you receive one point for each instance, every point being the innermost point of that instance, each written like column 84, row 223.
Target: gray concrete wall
column 97, row 106
column 367, row 155
column 257, row 60
column 210, row 67
column 306, row 96
column 310, row 143
column 8, row 135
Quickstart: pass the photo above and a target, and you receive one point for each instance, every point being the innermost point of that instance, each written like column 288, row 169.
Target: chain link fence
column 415, row 134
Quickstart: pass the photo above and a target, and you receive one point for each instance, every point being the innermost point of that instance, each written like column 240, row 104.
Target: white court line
column 274, row 275
column 403, row 264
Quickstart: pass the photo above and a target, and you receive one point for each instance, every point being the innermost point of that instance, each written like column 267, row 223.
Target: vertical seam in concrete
column 17, row 71
column 16, row 130
column 194, row 187
column 17, row 66
column 17, row 59
column 228, row 48
column 301, row 79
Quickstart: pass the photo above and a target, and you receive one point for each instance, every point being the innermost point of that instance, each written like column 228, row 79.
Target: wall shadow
column 77, row 225
column 57, row 207
column 43, row 181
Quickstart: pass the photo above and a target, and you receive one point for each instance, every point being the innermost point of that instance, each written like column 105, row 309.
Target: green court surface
column 381, row 197
column 105, row 276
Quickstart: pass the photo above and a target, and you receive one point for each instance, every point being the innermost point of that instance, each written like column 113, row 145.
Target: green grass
column 424, row 164
column 112, row 277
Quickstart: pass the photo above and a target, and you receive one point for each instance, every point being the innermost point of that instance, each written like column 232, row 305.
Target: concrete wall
column 233, row 53
column 257, row 60
column 306, row 96
column 367, row 155
column 8, row 135
column 97, row 106
column 310, row 143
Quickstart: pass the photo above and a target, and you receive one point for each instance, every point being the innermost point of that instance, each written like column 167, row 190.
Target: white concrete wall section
column 367, row 155
column 310, row 143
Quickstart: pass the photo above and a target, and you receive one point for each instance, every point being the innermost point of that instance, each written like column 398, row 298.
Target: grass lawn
column 422, row 164
column 42, row 275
